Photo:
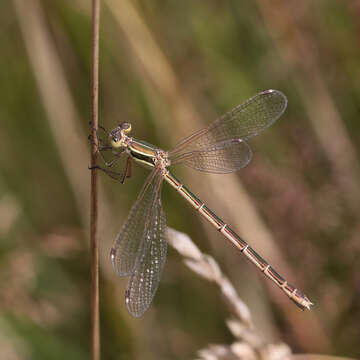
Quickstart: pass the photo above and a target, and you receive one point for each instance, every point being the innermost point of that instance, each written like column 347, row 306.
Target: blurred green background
column 170, row 67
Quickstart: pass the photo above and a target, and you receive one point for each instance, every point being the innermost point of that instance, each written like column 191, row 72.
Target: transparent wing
column 130, row 244
column 243, row 122
column 146, row 277
column 221, row 158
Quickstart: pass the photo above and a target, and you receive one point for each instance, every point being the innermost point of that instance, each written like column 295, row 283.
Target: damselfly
column 140, row 247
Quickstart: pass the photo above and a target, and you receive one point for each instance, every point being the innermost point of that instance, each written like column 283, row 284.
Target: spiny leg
column 119, row 176
column 113, row 174
column 100, row 139
column 128, row 169
column 117, row 155
column 102, row 148
column 99, row 127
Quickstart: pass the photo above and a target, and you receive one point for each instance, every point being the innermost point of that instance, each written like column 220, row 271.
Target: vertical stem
column 94, row 244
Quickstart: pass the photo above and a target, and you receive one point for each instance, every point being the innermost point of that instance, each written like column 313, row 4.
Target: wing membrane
column 221, row 158
column 243, row 122
column 131, row 244
column 146, row 277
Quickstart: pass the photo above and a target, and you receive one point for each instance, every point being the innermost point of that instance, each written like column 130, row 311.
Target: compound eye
column 126, row 127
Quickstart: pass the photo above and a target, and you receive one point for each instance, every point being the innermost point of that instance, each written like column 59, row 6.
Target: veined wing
column 220, row 158
column 243, row 122
column 131, row 243
column 146, row 277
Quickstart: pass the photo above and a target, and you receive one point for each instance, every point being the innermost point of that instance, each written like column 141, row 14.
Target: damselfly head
column 118, row 136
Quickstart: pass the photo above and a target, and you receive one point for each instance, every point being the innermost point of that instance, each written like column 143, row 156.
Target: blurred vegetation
column 303, row 180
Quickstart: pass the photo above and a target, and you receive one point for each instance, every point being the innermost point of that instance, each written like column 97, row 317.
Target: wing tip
column 280, row 94
column 134, row 309
column 273, row 91
column 119, row 268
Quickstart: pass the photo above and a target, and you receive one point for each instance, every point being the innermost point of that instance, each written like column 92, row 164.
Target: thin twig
column 95, row 331
column 63, row 117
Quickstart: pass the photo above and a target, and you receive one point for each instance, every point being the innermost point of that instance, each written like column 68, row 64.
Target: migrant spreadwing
column 140, row 247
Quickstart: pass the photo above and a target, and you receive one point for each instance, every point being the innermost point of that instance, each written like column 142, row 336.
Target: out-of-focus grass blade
column 42, row 343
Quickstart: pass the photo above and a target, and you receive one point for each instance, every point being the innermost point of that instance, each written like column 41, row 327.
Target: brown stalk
column 94, row 240
column 62, row 116
column 59, row 106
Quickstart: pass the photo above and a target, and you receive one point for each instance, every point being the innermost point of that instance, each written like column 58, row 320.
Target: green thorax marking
column 143, row 152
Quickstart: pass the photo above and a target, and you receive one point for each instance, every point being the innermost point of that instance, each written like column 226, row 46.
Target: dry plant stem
column 62, row 115
column 206, row 267
column 250, row 343
column 94, row 241
column 63, row 119
column 240, row 351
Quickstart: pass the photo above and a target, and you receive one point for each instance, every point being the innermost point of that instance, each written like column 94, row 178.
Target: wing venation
column 130, row 244
column 243, row 122
column 220, row 158
column 146, row 278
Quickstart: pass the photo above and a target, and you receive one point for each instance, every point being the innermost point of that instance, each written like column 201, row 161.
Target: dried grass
column 249, row 344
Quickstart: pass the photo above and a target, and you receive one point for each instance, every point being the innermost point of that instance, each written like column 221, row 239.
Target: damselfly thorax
column 143, row 153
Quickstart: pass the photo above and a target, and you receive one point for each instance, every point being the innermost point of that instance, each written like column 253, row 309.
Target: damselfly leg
column 116, row 175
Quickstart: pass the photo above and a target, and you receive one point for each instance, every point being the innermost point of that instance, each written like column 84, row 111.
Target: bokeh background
column 170, row 67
